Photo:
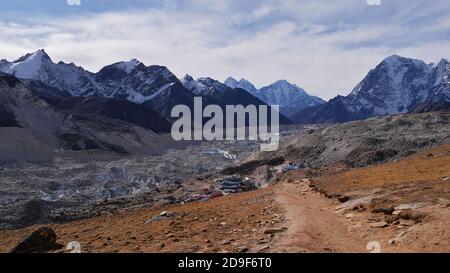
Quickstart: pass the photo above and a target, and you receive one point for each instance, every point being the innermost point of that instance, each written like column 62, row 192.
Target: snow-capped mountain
column 154, row 86
column 38, row 66
column 203, row 86
column 134, row 81
column 213, row 91
column 194, row 86
column 439, row 81
column 242, row 83
column 396, row 85
column 130, row 80
column 42, row 123
column 289, row 97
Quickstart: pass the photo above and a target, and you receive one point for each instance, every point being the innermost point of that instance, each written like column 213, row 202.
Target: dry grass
column 419, row 177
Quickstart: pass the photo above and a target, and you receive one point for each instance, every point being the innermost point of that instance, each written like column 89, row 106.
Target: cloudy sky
column 324, row 46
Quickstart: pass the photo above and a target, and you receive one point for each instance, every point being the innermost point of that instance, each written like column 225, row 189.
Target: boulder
column 41, row 240
column 351, row 204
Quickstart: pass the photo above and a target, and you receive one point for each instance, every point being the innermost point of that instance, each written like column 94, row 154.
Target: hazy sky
column 324, row 46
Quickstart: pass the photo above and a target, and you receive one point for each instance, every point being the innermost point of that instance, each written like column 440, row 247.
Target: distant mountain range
column 47, row 106
column 141, row 95
column 153, row 87
column 289, row 97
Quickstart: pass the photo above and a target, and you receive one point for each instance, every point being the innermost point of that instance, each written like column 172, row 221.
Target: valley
column 331, row 204
column 294, row 214
column 88, row 157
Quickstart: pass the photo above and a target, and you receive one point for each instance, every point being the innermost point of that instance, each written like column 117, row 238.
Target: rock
column 343, row 199
column 167, row 214
column 225, row 242
column 397, row 212
column 274, row 230
column 379, row 225
column 398, row 239
column 73, row 247
column 262, row 249
column 349, row 215
column 351, row 204
column 41, row 240
column 162, row 216
column 223, row 223
column 243, row 249
column 409, row 206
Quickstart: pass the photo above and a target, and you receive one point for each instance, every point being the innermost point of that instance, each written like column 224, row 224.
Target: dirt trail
column 311, row 223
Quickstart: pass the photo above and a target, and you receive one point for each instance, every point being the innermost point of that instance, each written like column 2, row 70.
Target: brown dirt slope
column 224, row 224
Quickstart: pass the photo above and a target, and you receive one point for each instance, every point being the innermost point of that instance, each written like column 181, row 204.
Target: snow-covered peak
column 37, row 55
column 284, row 86
column 394, row 72
column 441, row 73
column 396, row 61
column 443, row 63
column 242, row 83
column 187, row 78
column 194, row 86
column 213, row 84
column 246, row 85
column 127, row 67
column 289, row 96
column 231, row 82
column 27, row 66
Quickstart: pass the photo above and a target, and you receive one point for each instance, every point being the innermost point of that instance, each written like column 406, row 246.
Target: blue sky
column 325, row 46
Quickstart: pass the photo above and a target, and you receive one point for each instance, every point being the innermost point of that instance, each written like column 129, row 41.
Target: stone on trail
column 379, row 224
column 409, row 206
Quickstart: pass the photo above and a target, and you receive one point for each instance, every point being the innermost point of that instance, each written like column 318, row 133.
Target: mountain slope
column 396, row 85
column 65, row 77
column 290, row 97
column 34, row 127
